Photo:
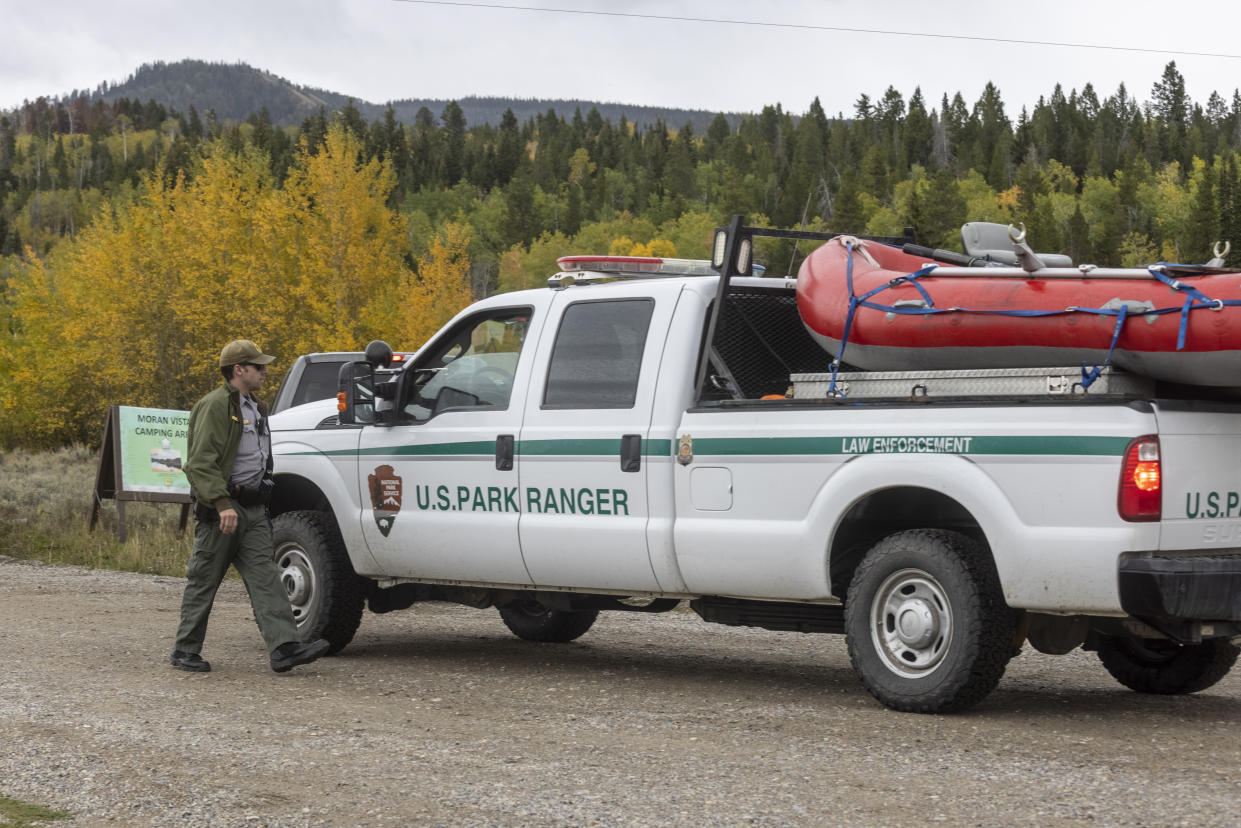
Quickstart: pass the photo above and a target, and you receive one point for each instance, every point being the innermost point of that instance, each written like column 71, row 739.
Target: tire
column 926, row 624
column 326, row 594
column 532, row 621
column 1150, row 665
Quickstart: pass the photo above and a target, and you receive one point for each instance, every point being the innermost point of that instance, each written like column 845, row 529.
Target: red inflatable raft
column 894, row 311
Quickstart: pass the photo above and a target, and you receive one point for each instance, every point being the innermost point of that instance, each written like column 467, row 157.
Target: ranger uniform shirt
column 254, row 448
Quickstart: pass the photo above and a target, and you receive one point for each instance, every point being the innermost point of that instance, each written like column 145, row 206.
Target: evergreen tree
column 801, row 181
column 194, row 129
column 262, row 137
column 1078, row 242
column 521, row 223
column 918, row 132
column 1031, row 183
column 679, row 174
column 351, row 120
column 1202, row 225
column 875, row 177
column 889, row 119
column 572, row 223
column 452, row 162
column 994, row 134
column 816, row 114
column 1230, row 205
column 717, row 134
column 939, row 211
column 847, row 214
column 1170, row 107
column 956, row 117
column 510, row 152
column 314, row 130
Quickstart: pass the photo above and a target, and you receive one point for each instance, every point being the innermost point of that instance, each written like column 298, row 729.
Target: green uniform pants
column 249, row 548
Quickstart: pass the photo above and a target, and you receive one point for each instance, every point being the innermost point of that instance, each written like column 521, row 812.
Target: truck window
column 598, row 354
column 318, row 381
column 472, row 367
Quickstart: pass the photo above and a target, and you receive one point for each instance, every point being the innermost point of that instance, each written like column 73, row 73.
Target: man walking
column 228, row 465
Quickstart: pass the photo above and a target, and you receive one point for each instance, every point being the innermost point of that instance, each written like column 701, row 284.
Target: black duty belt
column 251, row 495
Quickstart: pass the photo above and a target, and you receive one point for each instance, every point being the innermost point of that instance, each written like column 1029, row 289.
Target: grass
column 45, row 508
column 16, row 814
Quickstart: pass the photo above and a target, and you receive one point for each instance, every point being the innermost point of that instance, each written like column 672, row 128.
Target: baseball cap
column 243, row 350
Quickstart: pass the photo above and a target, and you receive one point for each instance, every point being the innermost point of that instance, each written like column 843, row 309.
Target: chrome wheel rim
column 911, row 623
column 297, row 576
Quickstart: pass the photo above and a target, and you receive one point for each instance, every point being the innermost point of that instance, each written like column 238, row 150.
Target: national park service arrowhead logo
column 385, row 489
column 685, row 449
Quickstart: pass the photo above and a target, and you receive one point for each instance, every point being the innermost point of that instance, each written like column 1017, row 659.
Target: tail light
column 1141, row 483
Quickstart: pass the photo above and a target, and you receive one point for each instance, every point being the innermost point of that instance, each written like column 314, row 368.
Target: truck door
column 584, row 442
column 439, row 488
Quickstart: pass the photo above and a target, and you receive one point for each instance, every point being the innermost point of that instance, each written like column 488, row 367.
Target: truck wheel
column 326, row 594
column 926, row 623
column 532, row 621
column 1150, row 665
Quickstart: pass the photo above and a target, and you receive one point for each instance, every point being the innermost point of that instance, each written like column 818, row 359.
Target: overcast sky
column 380, row 50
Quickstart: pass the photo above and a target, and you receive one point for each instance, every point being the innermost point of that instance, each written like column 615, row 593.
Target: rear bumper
column 1200, row 588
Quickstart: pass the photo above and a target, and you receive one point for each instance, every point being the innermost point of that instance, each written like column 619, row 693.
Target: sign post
column 140, row 460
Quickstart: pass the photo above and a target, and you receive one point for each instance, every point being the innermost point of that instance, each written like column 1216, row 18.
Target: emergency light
column 644, row 265
column 620, row 267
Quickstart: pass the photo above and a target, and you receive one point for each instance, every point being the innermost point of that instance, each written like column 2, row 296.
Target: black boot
column 192, row 662
column 289, row 655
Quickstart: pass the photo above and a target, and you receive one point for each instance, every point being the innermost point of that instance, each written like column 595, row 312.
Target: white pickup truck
column 557, row 452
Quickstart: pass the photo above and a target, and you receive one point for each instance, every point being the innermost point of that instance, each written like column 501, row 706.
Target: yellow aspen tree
column 662, row 248
column 1172, row 209
column 521, row 268
column 623, row 246
column 32, row 396
column 187, row 271
column 348, row 244
column 134, row 310
column 440, row 289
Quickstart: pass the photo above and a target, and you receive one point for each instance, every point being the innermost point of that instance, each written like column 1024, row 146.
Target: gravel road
column 438, row 716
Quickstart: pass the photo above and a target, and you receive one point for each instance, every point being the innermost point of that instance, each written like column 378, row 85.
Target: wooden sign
column 140, row 459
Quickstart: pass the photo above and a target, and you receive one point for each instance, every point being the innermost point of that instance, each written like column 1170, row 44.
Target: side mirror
column 379, row 353
column 355, row 385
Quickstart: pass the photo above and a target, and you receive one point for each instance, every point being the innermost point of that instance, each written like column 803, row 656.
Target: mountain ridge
column 234, row 91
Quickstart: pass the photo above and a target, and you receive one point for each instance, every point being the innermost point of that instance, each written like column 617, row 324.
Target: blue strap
column 1191, row 294
column 909, row 278
column 1088, row 378
column 844, row 337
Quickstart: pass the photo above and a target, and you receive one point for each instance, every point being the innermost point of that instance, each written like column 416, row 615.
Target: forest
column 136, row 239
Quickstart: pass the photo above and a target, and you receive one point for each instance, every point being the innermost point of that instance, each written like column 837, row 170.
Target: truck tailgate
column 1200, row 449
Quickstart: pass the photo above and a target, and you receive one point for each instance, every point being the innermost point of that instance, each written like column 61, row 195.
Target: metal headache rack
column 748, row 360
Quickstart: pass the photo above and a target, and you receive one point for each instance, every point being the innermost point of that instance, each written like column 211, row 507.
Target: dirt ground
column 438, row 716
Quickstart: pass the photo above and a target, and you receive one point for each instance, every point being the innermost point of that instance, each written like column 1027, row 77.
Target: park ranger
column 228, row 465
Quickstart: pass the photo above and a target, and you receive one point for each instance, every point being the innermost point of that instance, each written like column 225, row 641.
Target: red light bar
column 635, row 265
column 617, row 264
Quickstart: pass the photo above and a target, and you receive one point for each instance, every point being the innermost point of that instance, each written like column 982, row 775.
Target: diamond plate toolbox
column 990, row 382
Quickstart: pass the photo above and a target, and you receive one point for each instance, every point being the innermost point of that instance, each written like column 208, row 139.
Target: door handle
column 504, row 452
column 631, row 453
